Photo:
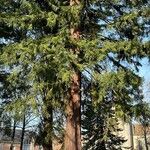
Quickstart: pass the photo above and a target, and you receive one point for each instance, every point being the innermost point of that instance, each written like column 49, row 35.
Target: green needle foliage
column 36, row 48
column 101, row 128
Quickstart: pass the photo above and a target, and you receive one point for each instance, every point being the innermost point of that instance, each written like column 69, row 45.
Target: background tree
column 142, row 115
column 100, row 129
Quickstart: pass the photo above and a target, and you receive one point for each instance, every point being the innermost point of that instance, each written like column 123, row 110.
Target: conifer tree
column 101, row 120
column 142, row 116
column 101, row 128
column 55, row 42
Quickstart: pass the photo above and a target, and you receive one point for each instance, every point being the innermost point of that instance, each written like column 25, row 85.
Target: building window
column 26, row 146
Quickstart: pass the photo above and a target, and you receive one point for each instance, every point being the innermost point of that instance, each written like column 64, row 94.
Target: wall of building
column 134, row 136
column 6, row 146
column 139, row 142
column 126, row 133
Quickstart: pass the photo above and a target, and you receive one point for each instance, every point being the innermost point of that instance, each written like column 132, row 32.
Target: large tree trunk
column 73, row 109
column 47, row 123
column 73, row 124
column 48, row 129
column 23, row 131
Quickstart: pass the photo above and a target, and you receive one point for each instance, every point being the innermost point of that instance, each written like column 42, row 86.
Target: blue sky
column 145, row 73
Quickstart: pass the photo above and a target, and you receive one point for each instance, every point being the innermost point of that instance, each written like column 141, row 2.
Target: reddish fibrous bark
column 73, row 124
column 73, row 109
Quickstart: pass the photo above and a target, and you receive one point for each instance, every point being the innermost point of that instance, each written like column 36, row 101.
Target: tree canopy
column 45, row 43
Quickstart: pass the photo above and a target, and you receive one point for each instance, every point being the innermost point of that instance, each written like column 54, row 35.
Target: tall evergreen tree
column 55, row 42
column 101, row 128
column 101, row 121
column 142, row 115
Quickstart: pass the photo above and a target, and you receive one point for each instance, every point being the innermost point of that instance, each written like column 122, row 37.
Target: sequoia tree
column 56, row 44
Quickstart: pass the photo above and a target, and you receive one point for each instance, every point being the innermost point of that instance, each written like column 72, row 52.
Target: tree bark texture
column 73, row 124
column 23, row 132
column 48, row 129
column 13, row 135
column 131, row 135
column 145, row 138
column 73, row 109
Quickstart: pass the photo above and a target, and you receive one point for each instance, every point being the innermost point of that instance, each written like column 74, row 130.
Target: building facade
column 134, row 136
column 28, row 142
